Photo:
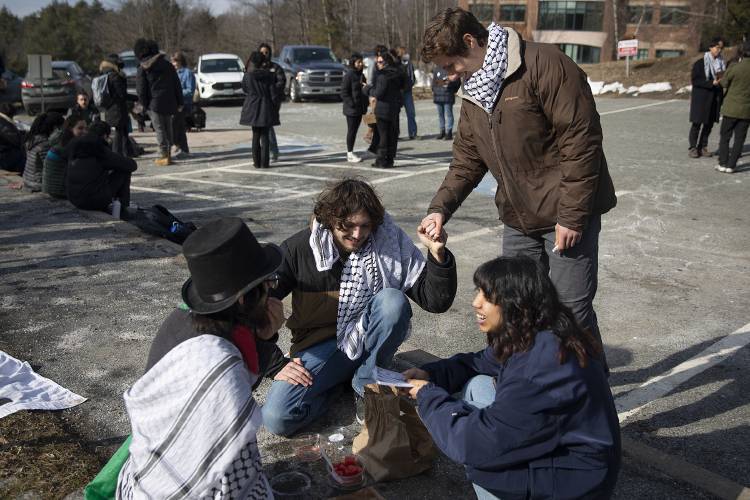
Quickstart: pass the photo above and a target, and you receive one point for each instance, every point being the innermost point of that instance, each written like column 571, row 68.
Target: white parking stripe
column 657, row 387
column 168, row 191
column 199, row 171
column 277, row 174
column 234, row 185
column 637, row 107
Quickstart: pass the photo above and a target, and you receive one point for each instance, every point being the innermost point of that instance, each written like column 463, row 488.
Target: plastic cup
column 307, row 447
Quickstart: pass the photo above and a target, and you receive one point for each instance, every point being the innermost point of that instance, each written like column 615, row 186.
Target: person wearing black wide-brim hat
column 205, row 361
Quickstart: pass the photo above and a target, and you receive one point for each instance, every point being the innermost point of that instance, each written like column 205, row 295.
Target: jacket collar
column 148, row 62
column 514, row 62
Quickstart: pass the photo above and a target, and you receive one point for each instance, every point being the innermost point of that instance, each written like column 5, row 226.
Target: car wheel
column 294, row 93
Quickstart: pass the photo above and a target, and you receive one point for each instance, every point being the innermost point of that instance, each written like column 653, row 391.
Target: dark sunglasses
column 272, row 281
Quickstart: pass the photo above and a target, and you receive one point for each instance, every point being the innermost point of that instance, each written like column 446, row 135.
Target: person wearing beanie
column 159, row 92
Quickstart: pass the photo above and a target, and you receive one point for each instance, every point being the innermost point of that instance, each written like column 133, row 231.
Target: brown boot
column 163, row 161
column 693, row 153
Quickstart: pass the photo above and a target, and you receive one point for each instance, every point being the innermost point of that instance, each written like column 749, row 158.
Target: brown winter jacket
column 542, row 143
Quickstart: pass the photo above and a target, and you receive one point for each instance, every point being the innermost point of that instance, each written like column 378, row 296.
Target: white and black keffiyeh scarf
column 713, row 65
column 484, row 85
column 388, row 259
column 194, row 423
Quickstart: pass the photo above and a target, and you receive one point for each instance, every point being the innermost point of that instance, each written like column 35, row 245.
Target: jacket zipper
column 501, row 163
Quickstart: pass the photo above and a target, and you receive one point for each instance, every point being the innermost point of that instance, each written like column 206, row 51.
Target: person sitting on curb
column 349, row 274
column 193, row 416
column 85, row 108
column 535, row 417
column 12, row 153
column 97, row 176
column 56, row 161
column 37, row 146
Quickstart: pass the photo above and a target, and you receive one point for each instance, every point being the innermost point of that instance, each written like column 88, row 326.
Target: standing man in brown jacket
column 527, row 116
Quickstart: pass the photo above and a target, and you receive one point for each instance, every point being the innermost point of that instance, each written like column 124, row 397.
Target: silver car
column 59, row 91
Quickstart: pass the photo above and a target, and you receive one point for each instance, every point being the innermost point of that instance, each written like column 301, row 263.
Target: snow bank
column 422, row 78
column 600, row 88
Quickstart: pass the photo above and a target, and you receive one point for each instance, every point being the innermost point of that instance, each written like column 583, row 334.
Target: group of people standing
column 721, row 90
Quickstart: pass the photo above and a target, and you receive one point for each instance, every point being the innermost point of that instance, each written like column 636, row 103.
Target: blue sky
column 25, row 7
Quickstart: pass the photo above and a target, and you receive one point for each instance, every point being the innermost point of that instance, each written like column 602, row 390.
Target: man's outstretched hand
column 432, row 225
column 435, row 246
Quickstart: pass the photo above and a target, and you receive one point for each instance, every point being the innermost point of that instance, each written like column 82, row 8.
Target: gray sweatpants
column 163, row 127
column 574, row 272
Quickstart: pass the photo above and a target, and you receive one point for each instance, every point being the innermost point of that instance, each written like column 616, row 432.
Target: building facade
column 588, row 30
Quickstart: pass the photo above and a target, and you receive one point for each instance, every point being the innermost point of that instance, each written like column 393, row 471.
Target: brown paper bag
column 369, row 118
column 394, row 442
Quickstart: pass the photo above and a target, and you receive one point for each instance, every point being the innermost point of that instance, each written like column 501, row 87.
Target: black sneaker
column 359, row 405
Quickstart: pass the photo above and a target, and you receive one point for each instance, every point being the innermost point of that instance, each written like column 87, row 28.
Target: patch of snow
column 613, row 87
column 422, row 78
column 684, row 90
column 655, row 87
column 596, row 87
column 632, row 89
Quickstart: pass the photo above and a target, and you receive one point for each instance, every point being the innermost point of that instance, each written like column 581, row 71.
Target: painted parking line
column 198, row 171
column 657, row 387
column 273, row 173
column 638, row 107
column 177, row 177
column 169, row 191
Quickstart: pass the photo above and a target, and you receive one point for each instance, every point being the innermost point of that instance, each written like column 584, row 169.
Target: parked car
column 130, row 69
column 219, row 77
column 12, row 91
column 311, row 71
column 59, row 91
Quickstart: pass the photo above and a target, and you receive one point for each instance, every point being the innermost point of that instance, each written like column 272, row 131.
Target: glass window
column 636, row 11
column 221, row 66
column 674, row 15
column 669, row 53
column 303, row 55
column 513, row 13
column 642, row 54
column 581, row 54
column 578, row 16
column 482, row 11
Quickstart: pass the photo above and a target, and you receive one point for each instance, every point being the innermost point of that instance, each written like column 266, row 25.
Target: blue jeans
column 274, row 146
column 289, row 408
column 480, row 391
column 411, row 114
column 445, row 114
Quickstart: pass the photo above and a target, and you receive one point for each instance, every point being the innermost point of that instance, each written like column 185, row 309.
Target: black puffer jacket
column 117, row 114
column 388, row 92
column 158, row 85
column 90, row 161
column 36, row 151
column 10, row 137
column 259, row 108
column 354, row 99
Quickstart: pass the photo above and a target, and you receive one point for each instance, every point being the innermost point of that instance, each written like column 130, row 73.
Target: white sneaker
column 179, row 154
column 728, row 170
column 719, row 168
column 352, row 158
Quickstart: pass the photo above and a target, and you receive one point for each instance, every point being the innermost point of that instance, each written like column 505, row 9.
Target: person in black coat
column 116, row 115
column 159, row 92
column 279, row 87
column 259, row 110
column 444, row 97
column 96, row 175
column 354, row 102
column 705, row 98
column 387, row 92
column 12, row 154
column 85, row 108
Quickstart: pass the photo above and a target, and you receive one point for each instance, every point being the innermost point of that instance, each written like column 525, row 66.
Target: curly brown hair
column 444, row 34
column 345, row 198
column 530, row 304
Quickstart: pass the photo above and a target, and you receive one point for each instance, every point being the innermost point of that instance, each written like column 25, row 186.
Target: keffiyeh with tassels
column 388, row 259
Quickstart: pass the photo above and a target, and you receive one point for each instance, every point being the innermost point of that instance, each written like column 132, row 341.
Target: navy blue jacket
column 552, row 431
column 443, row 93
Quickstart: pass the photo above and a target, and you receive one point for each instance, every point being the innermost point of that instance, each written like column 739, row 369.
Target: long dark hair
column 530, row 304
column 67, row 129
column 44, row 124
column 251, row 314
column 256, row 61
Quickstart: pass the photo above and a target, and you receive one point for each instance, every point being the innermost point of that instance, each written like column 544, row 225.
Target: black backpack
column 159, row 221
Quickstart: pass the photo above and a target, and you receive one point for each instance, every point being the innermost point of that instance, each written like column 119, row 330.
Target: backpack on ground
column 159, row 221
column 100, row 89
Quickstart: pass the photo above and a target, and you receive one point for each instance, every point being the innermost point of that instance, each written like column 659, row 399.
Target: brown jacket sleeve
column 568, row 104
column 464, row 174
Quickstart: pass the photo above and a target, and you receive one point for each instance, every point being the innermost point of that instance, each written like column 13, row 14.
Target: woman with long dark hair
column 387, row 92
column 354, row 101
column 534, row 416
column 259, row 110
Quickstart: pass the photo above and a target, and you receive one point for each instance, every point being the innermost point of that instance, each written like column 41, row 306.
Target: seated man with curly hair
column 349, row 274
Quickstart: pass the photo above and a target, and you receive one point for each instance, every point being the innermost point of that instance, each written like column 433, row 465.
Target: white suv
column 219, row 76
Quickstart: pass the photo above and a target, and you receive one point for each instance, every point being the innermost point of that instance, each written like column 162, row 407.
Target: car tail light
column 27, row 85
column 69, row 83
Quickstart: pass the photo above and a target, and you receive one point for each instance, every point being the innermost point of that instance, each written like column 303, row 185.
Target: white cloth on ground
column 23, row 389
column 194, row 423
column 388, row 259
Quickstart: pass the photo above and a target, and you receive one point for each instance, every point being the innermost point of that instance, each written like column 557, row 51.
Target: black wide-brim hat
column 225, row 262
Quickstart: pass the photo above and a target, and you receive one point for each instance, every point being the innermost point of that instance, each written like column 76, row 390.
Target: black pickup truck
column 311, row 71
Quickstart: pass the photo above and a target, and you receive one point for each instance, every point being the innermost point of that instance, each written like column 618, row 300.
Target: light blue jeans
column 445, row 114
column 480, row 391
column 411, row 114
column 289, row 408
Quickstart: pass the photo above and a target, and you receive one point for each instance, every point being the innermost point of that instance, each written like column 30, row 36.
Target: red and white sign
column 627, row 48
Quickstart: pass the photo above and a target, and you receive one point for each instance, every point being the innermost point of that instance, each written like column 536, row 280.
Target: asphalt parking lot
column 82, row 295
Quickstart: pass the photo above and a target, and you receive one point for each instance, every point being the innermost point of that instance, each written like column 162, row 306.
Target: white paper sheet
column 388, row 377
